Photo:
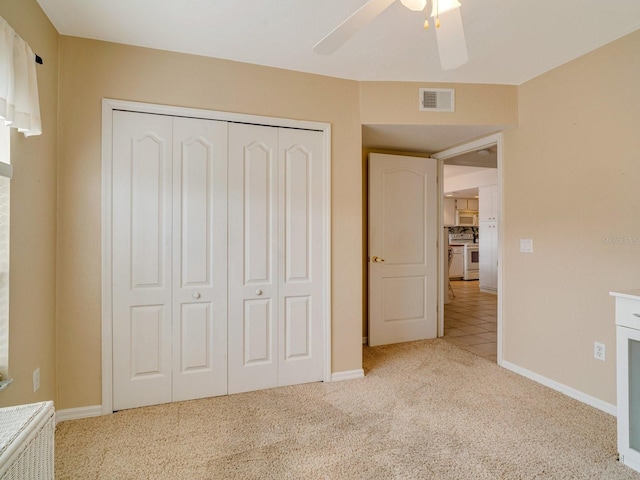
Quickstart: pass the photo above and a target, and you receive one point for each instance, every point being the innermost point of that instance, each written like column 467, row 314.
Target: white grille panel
column 437, row 100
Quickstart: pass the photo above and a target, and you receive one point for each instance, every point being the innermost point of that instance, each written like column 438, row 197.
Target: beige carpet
column 424, row 410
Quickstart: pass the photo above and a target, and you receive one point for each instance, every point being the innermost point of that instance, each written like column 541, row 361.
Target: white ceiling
column 452, row 171
column 509, row 41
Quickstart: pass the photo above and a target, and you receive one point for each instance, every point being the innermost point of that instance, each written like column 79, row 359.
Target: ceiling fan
column 452, row 46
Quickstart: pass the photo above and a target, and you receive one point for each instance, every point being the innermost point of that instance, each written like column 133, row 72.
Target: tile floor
column 470, row 319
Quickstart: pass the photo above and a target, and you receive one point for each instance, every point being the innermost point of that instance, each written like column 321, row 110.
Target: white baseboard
column 365, row 340
column 568, row 391
column 347, row 375
column 489, row 290
column 77, row 413
column 96, row 410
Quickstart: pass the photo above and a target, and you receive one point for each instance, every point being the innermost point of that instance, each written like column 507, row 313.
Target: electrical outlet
column 599, row 351
column 36, row 380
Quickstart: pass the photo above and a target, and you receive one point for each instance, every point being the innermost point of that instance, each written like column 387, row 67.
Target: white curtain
column 19, row 105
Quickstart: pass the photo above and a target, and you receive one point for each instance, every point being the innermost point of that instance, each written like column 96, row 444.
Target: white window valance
column 19, row 104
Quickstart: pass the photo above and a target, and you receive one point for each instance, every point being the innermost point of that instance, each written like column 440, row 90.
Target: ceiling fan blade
column 452, row 45
column 343, row 32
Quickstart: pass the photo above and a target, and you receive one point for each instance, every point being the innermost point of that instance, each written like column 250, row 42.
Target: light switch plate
column 526, row 245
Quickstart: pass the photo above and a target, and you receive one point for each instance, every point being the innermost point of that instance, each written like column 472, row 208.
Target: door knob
column 375, row 259
column 258, row 292
column 196, row 295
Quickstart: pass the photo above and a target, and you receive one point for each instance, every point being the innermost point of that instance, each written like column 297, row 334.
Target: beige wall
column 396, row 103
column 571, row 176
column 32, row 299
column 91, row 70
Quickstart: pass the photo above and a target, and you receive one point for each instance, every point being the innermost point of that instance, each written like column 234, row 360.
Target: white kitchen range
column 465, row 263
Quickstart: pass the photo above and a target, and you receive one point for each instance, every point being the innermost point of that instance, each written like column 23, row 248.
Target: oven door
column 471, row 262
column 473, row 258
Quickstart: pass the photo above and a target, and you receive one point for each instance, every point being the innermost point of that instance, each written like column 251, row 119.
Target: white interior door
column 402, row 249
column 142, row 299
column 253, row 254
column 199, row 258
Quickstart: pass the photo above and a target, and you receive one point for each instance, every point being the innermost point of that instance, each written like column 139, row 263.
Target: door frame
column 484, row 142
column 111, row 105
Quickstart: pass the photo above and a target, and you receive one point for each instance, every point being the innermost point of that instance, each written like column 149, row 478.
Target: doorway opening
column 492, row 143
column 470, row 312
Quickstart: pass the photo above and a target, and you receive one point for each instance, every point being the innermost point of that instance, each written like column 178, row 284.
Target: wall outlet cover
column 526, row 245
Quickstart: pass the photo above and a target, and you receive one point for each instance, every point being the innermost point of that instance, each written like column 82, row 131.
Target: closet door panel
column 297, row 215
column 301, row 283
column 258, row 214
column 141, row 256
column 297, row 328
column 253, row 286
column 258, row 326
column 199, row 258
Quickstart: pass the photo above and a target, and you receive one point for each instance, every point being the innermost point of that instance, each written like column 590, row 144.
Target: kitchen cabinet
column 449, row 212
column 457, row 264
column 488, row 213
column 488, row 257
column 467, row 204
column 488, row 204
column 628, row 376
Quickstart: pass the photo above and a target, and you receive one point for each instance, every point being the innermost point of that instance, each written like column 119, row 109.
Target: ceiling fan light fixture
column 439, row 7
column 415, row 5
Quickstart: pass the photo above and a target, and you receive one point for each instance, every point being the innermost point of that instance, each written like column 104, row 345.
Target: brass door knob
column 375, row 259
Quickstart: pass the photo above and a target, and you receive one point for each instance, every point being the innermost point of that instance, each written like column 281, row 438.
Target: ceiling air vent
column 437, row 100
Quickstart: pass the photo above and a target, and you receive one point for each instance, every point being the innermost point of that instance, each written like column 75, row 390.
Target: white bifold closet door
column 276, row 251
column 218, row 258
column 169, row 259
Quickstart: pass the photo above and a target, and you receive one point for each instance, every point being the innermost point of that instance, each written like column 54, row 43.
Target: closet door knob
column 258, row 292
column 196, row 295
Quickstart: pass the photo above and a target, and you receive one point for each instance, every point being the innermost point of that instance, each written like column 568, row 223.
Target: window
column 19, row 109
column 5, row 175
